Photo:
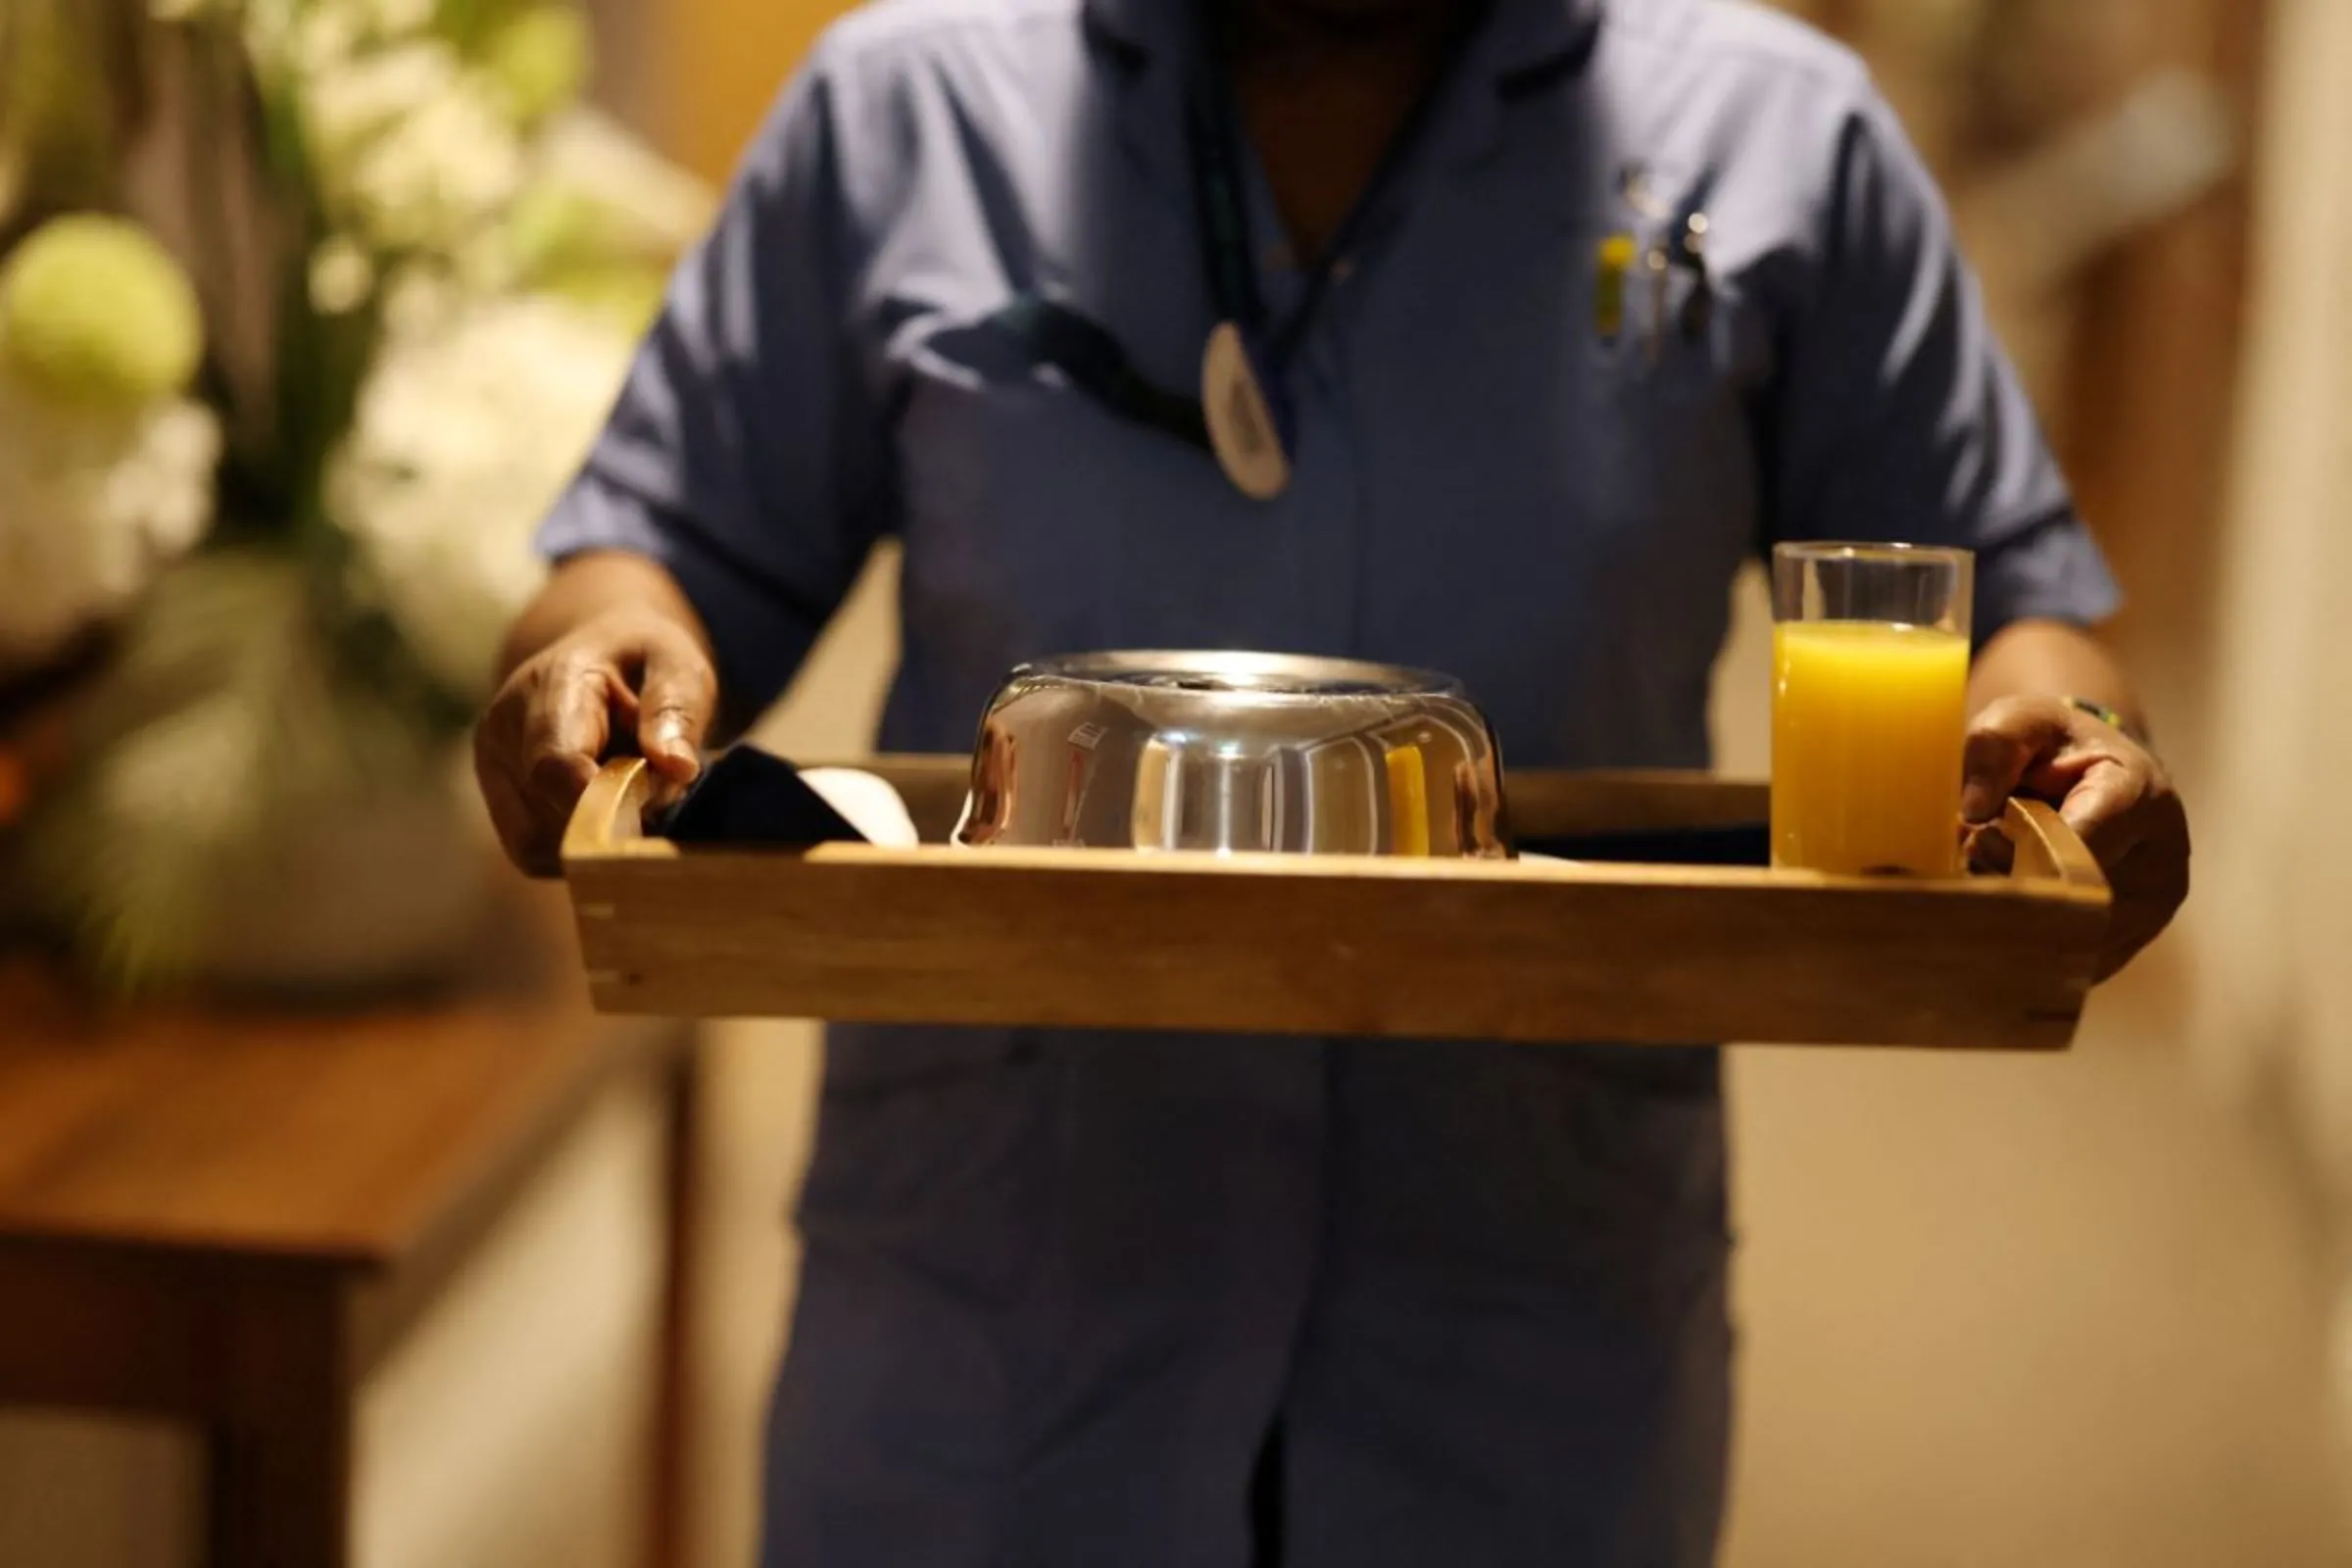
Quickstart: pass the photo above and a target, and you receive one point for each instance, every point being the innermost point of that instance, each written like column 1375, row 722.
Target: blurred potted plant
column 308, row 308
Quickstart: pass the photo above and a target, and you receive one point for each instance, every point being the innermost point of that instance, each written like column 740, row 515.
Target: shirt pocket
column 1652, row 336
column 1657, row 359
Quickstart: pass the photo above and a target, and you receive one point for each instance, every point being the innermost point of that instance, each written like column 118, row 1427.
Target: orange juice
column 1867, row 725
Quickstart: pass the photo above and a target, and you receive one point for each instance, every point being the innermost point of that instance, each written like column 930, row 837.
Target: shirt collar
column 1521, row 36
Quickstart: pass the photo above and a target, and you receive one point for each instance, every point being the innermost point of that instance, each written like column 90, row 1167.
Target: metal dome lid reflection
column 1234, row 751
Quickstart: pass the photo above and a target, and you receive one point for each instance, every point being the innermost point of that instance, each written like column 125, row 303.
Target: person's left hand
column 2110, row 789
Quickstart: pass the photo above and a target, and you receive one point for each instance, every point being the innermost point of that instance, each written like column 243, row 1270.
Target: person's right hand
column 626, row 676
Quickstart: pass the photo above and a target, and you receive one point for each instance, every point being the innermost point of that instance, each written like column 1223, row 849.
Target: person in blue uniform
column 1491, row 338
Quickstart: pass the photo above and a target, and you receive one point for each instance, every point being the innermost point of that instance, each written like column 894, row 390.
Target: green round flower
column 94, row 311
column 539, row 60
column 550, row 228
column 625, row 297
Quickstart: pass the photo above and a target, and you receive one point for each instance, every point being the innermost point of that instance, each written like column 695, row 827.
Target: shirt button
column 1277, row 257
column 1343, row 269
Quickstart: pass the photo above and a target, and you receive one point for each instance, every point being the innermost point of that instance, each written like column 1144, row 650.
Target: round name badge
column 1242, row 426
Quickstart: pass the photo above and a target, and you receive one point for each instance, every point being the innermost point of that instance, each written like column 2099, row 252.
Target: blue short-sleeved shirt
column 1484, row 484
column 1042, row 1265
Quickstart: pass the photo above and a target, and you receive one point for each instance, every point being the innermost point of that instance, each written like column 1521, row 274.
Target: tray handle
column 2048, row 850
column 610, row 819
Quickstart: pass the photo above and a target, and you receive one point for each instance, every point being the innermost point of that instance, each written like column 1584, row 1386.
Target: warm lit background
column 2071, row 1313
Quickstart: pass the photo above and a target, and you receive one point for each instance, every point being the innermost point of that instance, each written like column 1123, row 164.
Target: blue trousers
column 1158, row 1301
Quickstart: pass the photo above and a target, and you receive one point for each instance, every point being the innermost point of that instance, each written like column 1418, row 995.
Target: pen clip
column 1613, row 262
column 1660, row 266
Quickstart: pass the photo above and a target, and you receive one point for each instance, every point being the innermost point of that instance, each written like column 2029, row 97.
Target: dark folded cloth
column 1738, row 844
column 747, row 795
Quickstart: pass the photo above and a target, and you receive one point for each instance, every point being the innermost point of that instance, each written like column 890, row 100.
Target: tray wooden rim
column 2053, row 860
column 859, row 921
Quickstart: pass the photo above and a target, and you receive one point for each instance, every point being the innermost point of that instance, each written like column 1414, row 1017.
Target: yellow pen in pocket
column 1612, row 262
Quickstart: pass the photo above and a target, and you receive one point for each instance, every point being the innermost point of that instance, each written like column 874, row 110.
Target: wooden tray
column 1532, row 951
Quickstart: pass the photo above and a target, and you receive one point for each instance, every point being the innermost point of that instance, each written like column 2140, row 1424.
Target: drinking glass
column 1869, row 707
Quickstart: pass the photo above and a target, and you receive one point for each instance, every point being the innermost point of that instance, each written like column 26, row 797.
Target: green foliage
column 539, row 58
column 237, row 705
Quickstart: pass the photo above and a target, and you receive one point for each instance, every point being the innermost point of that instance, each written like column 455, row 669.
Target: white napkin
column 866, row 803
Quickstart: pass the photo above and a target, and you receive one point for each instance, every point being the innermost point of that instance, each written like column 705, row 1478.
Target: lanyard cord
column 1083, row 348
column 1085, row 351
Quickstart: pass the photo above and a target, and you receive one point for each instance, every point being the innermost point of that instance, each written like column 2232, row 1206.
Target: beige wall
column 2272, row 928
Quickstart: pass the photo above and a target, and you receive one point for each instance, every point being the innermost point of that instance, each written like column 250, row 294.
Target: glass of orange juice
column 1869, row 707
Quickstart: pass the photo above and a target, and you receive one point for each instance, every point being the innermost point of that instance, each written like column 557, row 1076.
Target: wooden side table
column 232, row 1219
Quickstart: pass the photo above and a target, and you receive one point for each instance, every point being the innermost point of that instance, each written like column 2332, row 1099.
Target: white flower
column 411, row 148
column 317, row 31
column 177, row 10
column 469, row 427
column 394, row 18
column 92, row 505
column 354, row 96
column 342, row 276
column 438, row 177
